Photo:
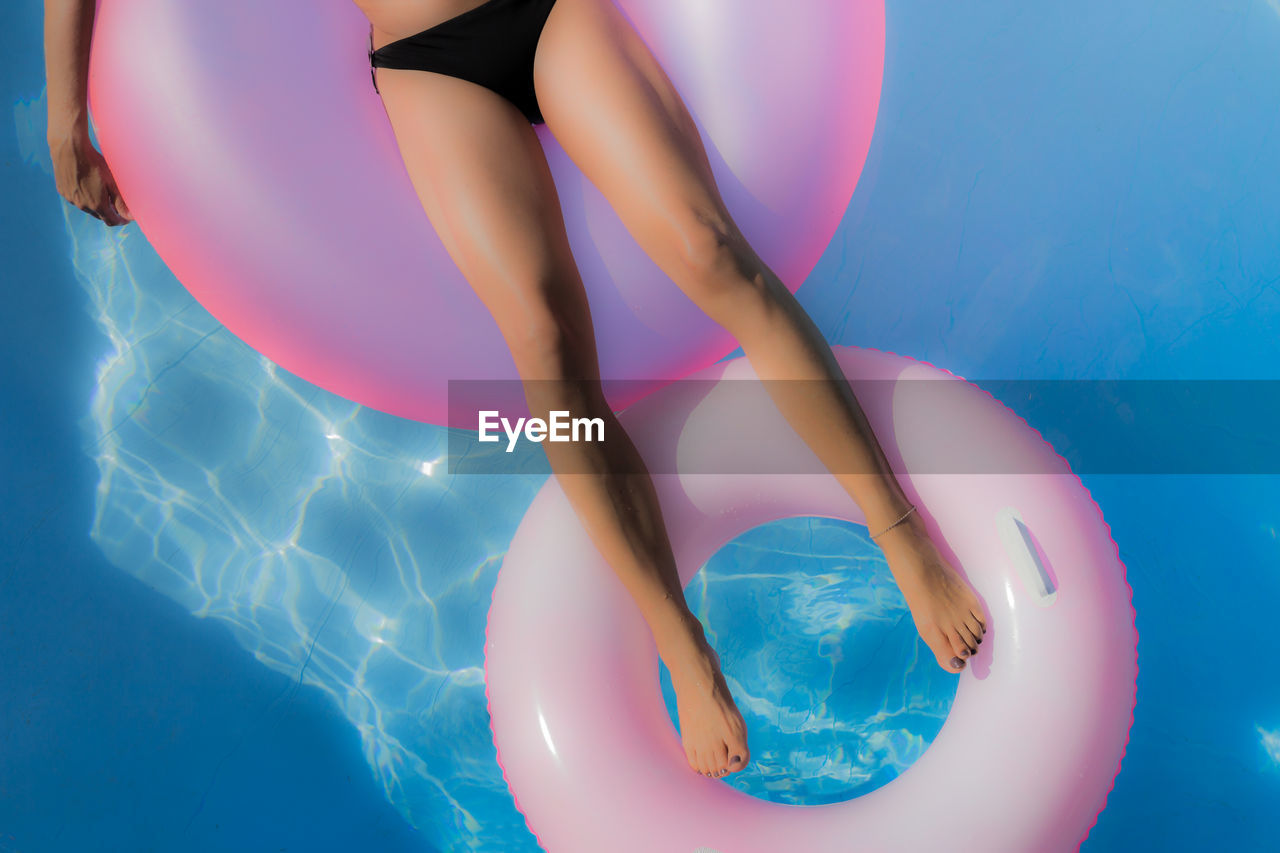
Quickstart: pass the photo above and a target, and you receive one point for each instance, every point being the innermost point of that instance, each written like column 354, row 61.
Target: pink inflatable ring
column 258, row 160
column 1041, row 716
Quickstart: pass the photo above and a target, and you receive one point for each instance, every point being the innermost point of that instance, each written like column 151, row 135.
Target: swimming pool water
column 1052, row 193
column 839, row 692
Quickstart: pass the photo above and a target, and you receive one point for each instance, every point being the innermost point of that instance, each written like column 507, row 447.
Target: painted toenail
column 957, row 663
column 737, row 759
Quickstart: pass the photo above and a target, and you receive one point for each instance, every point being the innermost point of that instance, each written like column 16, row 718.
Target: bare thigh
column 484, row 182
column 618, row 116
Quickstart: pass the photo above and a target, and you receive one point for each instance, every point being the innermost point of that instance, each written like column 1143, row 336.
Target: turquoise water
column 818, row 647
column 239, row 612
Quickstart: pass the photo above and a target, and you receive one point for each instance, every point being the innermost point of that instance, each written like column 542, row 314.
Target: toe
column 720, row 760
column 959, row 645
column 941, row 648
column 739, row 755
column 977, row 623
column 970, row 639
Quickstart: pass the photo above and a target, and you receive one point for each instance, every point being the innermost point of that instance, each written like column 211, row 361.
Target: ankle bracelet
column 896, row 523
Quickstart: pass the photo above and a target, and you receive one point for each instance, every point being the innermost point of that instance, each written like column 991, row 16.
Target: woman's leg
column 617, row 115
column 484, row 182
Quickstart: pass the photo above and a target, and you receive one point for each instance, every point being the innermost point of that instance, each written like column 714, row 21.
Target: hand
column 84, row 179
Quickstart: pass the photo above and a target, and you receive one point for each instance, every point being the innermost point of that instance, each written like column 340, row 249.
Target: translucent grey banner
column 924, row 426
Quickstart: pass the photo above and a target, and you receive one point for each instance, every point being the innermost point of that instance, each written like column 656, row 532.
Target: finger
column 118, row 203
column 110, row 216
column 104, row 204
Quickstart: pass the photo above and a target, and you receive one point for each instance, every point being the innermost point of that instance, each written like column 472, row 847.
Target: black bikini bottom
column 491, row 44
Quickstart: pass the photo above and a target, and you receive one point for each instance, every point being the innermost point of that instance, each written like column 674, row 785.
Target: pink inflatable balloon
column 258, row 160
column 1041, row 715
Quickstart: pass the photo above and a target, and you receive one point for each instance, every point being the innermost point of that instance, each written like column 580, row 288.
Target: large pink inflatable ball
column 260, row 163
column 1041, row 715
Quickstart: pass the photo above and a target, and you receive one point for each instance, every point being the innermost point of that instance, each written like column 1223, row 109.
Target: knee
column 722, row 273
column 538, row 342
column 707, row 243
column 546, row 343
column 555, row 363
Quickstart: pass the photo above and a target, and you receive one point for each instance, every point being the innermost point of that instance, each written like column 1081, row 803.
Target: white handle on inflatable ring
column 1021, row 548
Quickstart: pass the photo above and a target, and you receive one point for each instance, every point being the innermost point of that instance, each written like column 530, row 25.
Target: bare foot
column 944, row 607
column 711, row 727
